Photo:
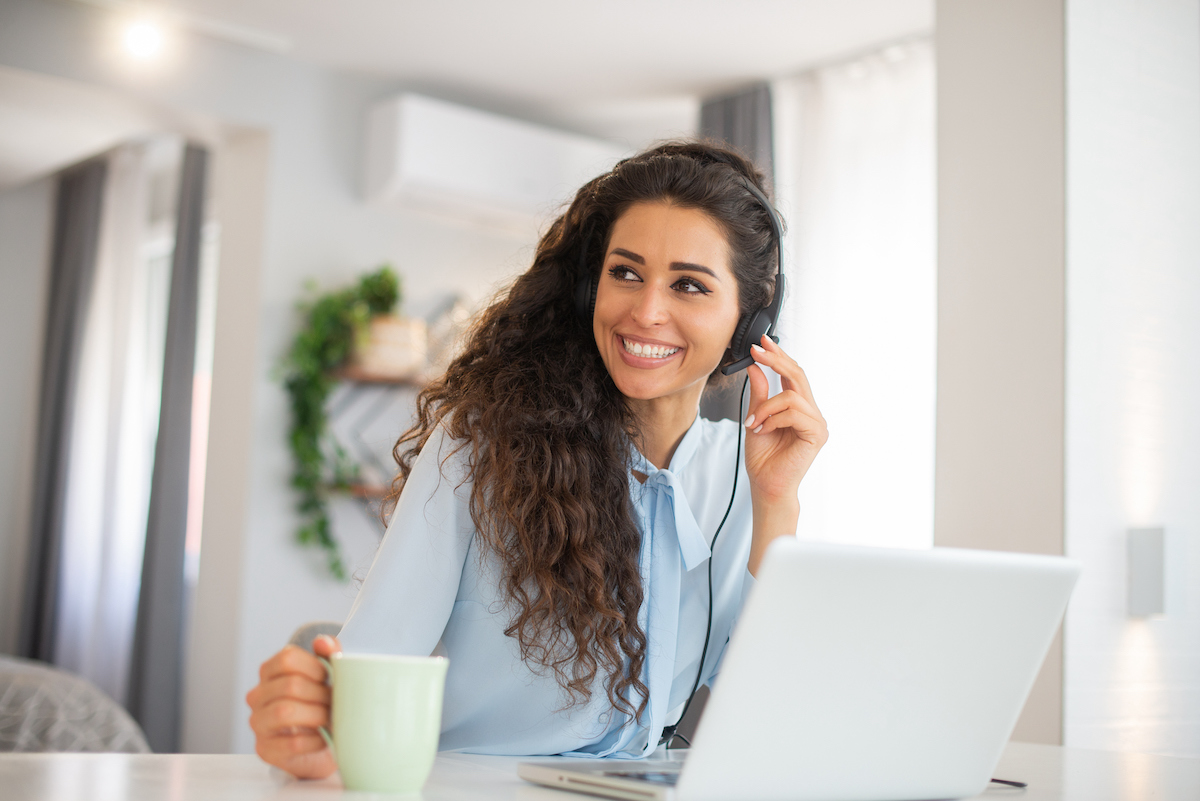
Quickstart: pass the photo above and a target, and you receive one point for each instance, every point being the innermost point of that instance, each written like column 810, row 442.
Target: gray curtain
column 73, row 266
column 743, row 121
column 156, row 672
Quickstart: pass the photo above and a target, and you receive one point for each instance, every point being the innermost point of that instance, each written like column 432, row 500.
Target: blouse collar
column 664, row 497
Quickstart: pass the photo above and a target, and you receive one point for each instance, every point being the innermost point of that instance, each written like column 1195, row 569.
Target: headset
column 750, row 330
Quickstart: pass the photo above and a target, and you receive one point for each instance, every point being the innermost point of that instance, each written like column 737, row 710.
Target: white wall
column 854, row 172
column 1001, row 263
column 26, row 219
column 315, row 227
column 1133, row 367
column 238, row 203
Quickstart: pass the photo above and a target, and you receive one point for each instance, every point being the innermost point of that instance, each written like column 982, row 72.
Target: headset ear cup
column 760, row 324
column 585, row 298
column 585, row 289
column 582, row 291
column 738, row 345
column 750, row 332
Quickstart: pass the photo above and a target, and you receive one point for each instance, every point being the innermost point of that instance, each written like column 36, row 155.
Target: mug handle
column 324, row 732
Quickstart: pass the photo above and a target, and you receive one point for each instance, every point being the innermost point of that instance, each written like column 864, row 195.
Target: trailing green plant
column 333, row 322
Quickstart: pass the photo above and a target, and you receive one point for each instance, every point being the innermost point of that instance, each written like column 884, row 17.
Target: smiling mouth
column 647, row 351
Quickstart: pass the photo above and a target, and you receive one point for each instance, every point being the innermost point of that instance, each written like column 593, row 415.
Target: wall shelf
column 356, row 408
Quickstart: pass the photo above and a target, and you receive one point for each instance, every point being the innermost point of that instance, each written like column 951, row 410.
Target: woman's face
column 667, row 302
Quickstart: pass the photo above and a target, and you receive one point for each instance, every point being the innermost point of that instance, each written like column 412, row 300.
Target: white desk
column 1053, row 774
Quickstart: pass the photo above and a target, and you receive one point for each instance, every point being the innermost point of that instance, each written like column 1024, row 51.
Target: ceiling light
column 147, row 30
column 144, row 39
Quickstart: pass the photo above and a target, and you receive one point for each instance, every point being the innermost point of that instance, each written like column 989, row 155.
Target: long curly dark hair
column 547, row 433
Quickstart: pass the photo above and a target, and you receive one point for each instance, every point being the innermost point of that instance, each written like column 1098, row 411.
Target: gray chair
column 43, row 708
column 303, row 637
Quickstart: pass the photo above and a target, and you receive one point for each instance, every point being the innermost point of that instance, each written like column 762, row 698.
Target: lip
column 646, row 362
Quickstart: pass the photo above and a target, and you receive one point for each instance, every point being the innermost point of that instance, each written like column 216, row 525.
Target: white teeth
column 648, row 351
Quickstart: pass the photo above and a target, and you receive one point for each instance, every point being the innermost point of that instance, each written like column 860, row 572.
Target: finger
column 293, row 686
column 772, row 355
column 788, row 399
column 292, row 660
column 806, row 428
column 758, row 390
column 284, row 715
column 326, row 646
column 777, row 360
column 275, row 750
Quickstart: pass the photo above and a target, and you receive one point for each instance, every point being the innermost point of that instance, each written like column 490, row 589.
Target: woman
column 559, row 490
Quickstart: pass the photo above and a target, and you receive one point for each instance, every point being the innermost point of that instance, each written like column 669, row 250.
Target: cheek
column 712, row 333
column 723, row 326
column 603, row 313
column 606, row 302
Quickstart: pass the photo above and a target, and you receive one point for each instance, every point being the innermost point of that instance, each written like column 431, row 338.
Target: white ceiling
column 628, row 70
column 568, row 52
column 47, row 123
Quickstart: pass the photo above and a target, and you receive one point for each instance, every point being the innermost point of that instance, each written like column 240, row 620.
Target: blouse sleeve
column 409, row 593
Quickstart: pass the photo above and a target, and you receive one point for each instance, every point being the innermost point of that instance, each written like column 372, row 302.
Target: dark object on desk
column 43, row 708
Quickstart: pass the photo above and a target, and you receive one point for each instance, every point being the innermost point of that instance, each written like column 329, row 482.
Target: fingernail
column 323, row 638
column 749, row 421
column 758, row 348
column 758, row 429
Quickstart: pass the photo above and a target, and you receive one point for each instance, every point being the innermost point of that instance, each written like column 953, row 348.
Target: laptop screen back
column 876, row 673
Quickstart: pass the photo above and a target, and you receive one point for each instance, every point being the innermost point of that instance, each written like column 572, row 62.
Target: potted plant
column 333, row 326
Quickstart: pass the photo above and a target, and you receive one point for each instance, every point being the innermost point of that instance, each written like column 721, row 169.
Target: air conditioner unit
column 452, row 160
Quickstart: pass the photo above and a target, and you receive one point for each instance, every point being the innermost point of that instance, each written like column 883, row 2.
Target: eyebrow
column 675, row 265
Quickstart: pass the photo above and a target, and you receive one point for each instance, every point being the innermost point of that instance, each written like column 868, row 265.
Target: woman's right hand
column 289, row 703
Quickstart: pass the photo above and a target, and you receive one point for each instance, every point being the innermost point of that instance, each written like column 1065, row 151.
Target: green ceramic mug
column 386, row 719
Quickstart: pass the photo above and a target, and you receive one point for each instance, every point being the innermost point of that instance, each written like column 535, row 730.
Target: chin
column 645, row 389
column 637, row 390
column 641, row 393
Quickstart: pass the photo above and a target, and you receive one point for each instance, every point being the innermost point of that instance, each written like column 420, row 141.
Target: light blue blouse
column 433, row 589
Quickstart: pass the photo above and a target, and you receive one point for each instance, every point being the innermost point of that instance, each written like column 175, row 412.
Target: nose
column 651, row 307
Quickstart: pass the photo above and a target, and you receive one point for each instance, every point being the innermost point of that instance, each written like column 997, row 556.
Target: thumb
column 324, row 645
column 759, row 387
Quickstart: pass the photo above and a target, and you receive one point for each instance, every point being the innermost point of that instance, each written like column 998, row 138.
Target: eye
column 690, row 286
column 623, row 273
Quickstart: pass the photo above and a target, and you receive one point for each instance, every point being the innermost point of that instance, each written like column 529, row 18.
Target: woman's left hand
column 784, row 432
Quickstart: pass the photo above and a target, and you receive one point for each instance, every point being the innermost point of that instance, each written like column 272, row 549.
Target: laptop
column 858, row 674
